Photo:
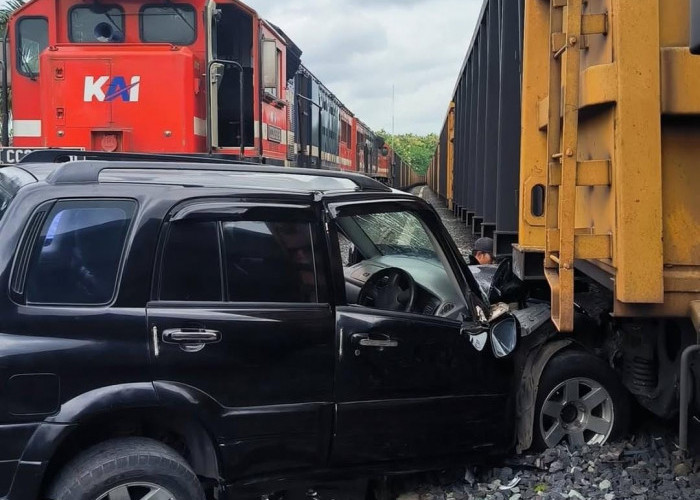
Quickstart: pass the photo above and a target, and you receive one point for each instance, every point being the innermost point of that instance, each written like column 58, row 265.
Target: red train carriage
column 128, row 75
column 348, row 140
column 385, row 161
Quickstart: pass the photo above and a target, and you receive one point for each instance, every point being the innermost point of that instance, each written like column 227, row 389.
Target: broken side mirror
column 504, row 337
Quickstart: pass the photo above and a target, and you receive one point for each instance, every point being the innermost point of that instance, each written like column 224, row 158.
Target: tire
column 580, row 400
column 131, row 468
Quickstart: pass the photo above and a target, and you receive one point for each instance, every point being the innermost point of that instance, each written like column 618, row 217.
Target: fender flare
column 54, row 430
column 526, row 395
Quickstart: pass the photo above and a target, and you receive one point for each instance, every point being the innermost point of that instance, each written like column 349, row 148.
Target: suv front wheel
column 127, row 469
column 579, row 400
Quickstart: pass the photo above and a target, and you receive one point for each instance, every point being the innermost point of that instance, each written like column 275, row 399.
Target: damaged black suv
column 187, row 330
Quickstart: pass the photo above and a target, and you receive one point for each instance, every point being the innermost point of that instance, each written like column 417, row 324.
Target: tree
column 9, row 7
column 416, row 150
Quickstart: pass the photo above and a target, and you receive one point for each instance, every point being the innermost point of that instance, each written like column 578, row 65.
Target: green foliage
column 6, row 11
column 414, row 149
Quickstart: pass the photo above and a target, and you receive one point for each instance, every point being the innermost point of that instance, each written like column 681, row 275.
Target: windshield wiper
column 114, row 23
column 179, row 14
column 27, row 69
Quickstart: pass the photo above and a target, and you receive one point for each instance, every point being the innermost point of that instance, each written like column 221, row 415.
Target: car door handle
column 379, row 341
column 191, row 336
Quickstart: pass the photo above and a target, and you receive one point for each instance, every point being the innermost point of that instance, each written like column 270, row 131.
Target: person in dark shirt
column 482, row 253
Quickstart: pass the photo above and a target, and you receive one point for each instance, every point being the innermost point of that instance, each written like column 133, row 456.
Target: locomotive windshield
column 168, row 23
column 32, row 39
column 96, row 23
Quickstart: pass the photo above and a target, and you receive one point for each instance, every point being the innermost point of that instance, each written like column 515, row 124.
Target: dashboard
column 436, row 295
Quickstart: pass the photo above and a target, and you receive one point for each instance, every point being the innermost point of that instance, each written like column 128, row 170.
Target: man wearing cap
column 482, row 253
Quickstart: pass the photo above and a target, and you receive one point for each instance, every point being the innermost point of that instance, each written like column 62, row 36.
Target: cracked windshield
column 396, row 233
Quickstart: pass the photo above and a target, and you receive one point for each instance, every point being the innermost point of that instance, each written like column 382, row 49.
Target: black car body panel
column 282, row 389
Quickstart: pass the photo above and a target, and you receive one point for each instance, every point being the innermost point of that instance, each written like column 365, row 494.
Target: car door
column 241, row 325
column 411, row 384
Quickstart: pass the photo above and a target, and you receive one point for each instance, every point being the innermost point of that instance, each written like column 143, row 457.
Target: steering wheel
column 391, row 289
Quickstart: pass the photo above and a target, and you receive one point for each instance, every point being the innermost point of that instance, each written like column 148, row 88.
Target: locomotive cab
column 137, row 75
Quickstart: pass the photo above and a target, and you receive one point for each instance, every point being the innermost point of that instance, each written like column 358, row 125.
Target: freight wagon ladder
column 564, row 243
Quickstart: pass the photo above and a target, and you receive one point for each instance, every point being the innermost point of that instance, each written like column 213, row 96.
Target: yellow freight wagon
column 604, row 172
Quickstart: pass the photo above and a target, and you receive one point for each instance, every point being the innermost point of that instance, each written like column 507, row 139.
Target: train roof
column 192, row 172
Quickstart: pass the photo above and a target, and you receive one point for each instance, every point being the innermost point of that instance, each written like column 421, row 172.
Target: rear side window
column 191, row 269
column 241, row 261
column 32, row 39
column 76, row 258
column 168, row 23
column 96, row 23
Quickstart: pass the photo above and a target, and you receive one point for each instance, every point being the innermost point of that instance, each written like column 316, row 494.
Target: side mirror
column 504, row 337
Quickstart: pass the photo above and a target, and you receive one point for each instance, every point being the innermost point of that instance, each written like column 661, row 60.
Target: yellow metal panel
column 593, row 173
column 450, row 154
column 598, row 85
column 681, row 184
column 588, row 173
column 594, row 24
column 543, row 113
column 637, row 160
column 674, row 23
column 679, row 83
column 533, row 156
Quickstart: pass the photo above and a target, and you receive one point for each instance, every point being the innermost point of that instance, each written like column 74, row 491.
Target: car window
column 269, row 261
column 191, row 269
column 96, row 23
column 392, row 261
column 169, row 23
column 76, row 258
column 241, row 261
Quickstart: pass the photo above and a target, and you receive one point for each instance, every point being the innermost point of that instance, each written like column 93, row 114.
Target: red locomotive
column 195, row 77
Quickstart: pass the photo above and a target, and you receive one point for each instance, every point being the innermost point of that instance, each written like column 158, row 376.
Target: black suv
column 177, row 331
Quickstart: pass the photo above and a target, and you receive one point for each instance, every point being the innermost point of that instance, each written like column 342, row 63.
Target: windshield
column 11, row 180
column 396, row 233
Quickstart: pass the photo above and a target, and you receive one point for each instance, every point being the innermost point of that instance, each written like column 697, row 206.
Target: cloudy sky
column 360, row 48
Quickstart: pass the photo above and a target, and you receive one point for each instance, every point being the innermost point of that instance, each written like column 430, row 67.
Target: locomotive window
column 32, row 39
column 168, row 23
column 96, row 23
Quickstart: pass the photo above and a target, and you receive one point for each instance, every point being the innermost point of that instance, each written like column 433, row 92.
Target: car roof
column 215, row 175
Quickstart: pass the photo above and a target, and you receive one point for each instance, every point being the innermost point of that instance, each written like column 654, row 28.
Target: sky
column 361, row 48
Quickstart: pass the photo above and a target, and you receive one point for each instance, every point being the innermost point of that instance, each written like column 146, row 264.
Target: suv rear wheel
column 579, row 400
column 127, row 469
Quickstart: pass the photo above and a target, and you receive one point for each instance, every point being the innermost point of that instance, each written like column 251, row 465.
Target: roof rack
column 87, row 172
column 66, row 155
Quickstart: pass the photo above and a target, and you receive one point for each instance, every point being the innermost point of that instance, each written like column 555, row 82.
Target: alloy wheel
column 138, row 491
column 579, row 410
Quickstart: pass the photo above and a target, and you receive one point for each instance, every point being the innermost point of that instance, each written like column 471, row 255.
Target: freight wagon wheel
column 580, row 401
column 127, row 469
